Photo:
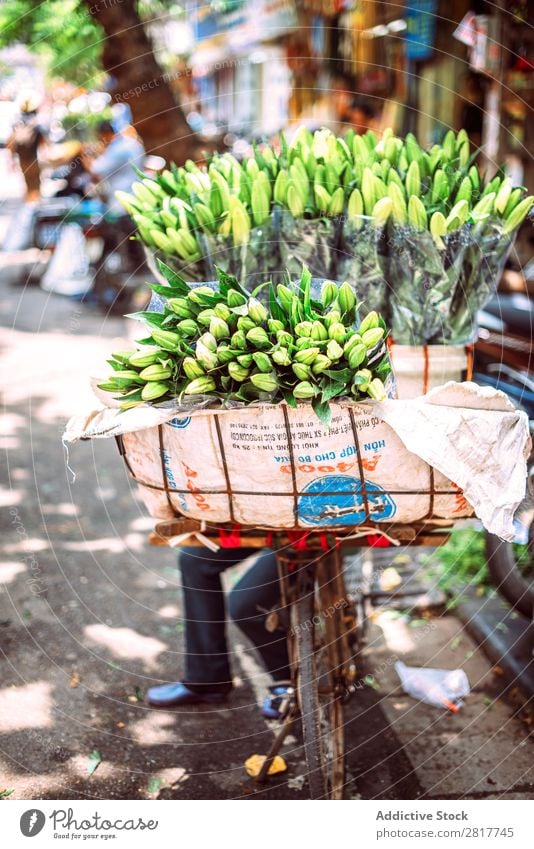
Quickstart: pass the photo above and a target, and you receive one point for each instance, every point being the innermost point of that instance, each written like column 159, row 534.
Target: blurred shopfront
column 423, row 65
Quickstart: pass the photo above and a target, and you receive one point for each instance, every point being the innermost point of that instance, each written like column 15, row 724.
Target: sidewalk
column 90, row 616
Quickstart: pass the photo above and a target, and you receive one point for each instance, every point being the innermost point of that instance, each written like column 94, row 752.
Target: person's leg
column 207, row 664
column 253, row 597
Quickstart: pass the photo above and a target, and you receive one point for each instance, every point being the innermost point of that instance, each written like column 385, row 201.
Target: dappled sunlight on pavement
column 28, row 706
column 125, row 643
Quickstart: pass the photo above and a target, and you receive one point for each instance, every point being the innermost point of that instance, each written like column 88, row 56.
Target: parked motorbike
column 503, row 359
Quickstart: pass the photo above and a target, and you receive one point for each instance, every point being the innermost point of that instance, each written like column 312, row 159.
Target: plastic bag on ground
column 68, row 271
column 437, row 687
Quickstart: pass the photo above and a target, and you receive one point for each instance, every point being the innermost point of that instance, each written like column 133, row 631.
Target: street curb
column 505, row 639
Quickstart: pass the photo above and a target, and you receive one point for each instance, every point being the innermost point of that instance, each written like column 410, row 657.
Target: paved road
column 90, row 616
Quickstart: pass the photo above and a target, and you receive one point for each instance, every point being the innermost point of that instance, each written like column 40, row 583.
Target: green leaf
column 330, row 390
column 93, row 761
column 154, row 784
column 153, row 319
column 290, row 399
column 227, row 282
column 322, row 410
column 166, row 291
column 341, row 375
column 115, row 365
column 173, row 279
column 5, row 793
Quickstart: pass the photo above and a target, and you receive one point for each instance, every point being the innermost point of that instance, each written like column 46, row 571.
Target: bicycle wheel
column 319, row 700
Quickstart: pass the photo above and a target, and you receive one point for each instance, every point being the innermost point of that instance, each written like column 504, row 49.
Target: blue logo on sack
column 179, row 423
column 338, row 500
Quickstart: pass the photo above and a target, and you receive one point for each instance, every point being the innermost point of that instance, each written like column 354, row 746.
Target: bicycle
column 324, row 631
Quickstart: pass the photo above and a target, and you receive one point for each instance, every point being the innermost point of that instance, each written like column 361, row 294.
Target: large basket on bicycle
column 271, row 466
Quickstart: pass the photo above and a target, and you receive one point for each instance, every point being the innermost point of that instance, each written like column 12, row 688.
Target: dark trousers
column 256, row 593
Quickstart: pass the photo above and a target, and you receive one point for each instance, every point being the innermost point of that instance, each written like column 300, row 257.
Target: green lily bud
column 329, row 293
column 235, row 299
column 399, row 211
column 200, row 386
column 503, row 195
column 280, row 188
column 237, row 372
column 337, row 202
column 376, row 390
column 483, row 208
column 258, row 337
column 353, row 340
column 301, row 370
column 275, row 325
column 372, row 336
column 155, row 372
column 338, row 332
column 346, row 298
column 265, row 382
column 457, row 216
column 355, row 206
column 154, row 390
column 319, row 333
column 222, row 311
column 281, row 357
column 381, row 211
column 245, row 323
column 198, row 293
column 413, row 179
column 438, row 229
column 304, row 329
column 284, row 338
column 165, row 339
column 417, row 216
column 245, row 360
column 365, row 376
column 306, row 356
column 225, row 354
column 334, row 350
column 321, row 363
column 256, row 310
column 219, row 328
column 263, row 362
column 181, row 307
column 204, row 317
column 206, row 358
column 285, row 296
column 322, row 198
column 370, row 320
column 126, row 376
column 188, row 327
column 239, row 340
column 295, row 202
column 356, row 356
column 209, row 341
column 144, row 358
column 517, row 215
column 191, row 368
column 123, row 356
column 333, row 317
column 305, row 390
column 303, row 342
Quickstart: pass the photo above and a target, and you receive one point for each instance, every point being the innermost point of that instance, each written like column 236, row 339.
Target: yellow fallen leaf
column 74, row 680
column 254, row 764
column 120, row 724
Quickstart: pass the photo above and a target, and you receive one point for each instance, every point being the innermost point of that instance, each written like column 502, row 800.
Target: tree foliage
column 61, row 31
